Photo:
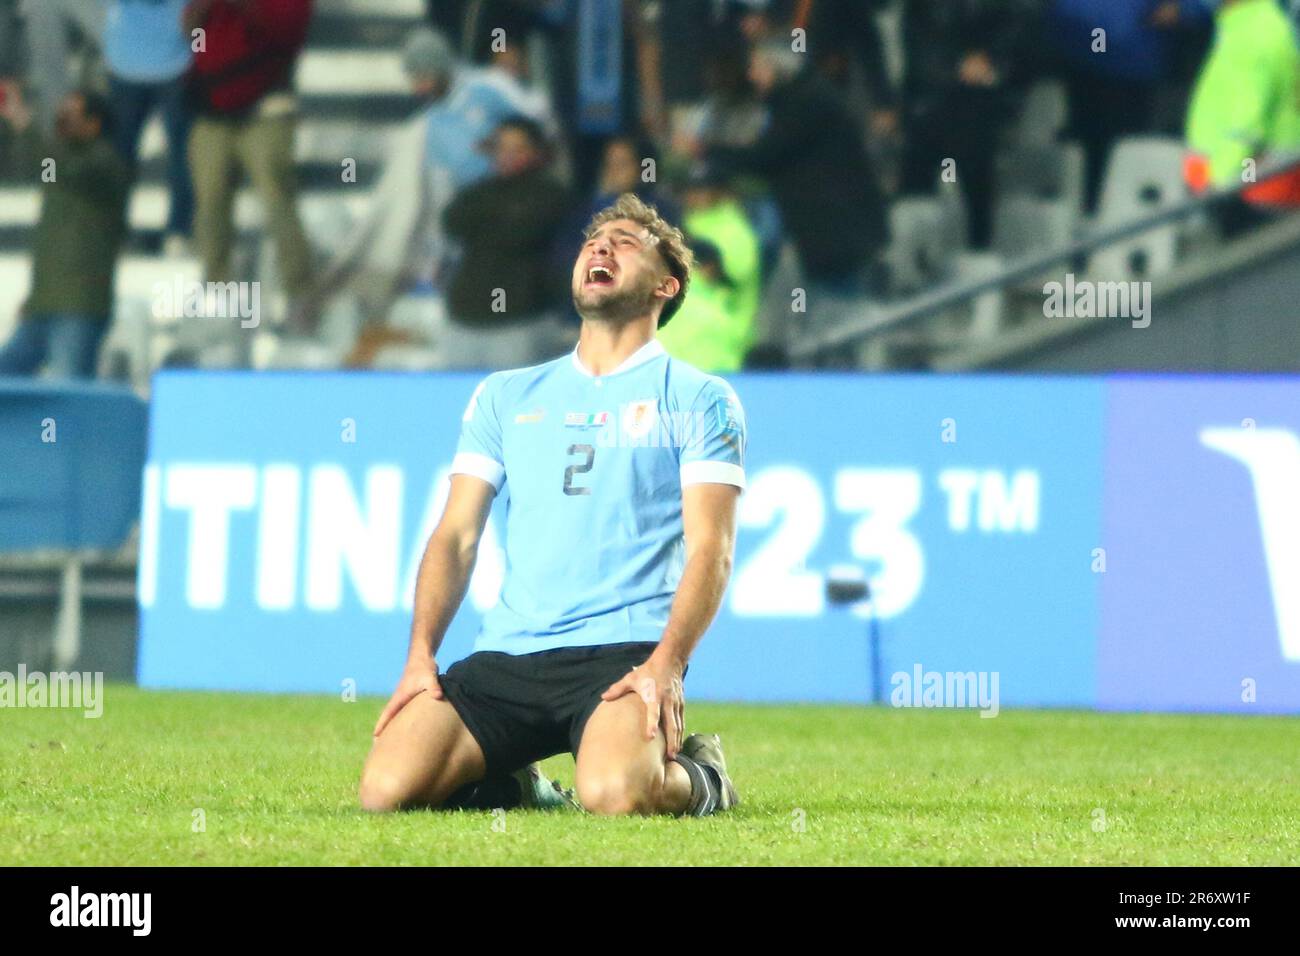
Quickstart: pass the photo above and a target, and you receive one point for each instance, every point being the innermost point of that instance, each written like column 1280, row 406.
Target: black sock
column 706, row 787
column 491, row 793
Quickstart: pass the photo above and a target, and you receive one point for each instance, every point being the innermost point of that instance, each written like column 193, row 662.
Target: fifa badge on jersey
column 640, row 417
column 729, row 423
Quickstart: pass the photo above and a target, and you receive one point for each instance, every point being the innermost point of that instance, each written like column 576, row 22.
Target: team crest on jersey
column 639, row 418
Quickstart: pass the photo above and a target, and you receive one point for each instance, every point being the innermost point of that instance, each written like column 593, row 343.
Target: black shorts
column 527, row 707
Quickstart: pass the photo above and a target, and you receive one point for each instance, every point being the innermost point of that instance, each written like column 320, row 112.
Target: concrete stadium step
column 350, row 71
column 325, row 136
column 412, row 9
column 19, row 207
column 363, row 107
column 312, row 174
column 317, row 140
column 332, row 30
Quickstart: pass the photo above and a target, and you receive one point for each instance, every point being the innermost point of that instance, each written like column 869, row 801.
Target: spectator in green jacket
column 718, row 225
column 1245, row 109
column 84, row 185
column 708, row 330
column 713, row 212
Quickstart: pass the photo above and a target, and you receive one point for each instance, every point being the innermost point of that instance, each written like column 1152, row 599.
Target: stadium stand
column 353, row 94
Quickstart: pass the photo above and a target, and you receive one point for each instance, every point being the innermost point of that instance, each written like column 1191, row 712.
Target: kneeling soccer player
column 623, row 467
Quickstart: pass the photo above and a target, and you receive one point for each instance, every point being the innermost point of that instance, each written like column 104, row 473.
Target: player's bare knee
column 613, row 798
column 381, row 792
column 615, row 795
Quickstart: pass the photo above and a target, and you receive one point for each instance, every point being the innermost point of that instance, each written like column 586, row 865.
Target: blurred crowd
column 775, row 133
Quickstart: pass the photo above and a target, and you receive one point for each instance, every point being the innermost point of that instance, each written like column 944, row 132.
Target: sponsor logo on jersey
column 528, row 418
column 585, row 419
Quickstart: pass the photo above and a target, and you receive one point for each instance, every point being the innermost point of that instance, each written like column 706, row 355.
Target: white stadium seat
column 1143, row 175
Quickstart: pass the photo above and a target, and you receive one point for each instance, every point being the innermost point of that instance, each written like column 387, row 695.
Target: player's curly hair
column 670, row 242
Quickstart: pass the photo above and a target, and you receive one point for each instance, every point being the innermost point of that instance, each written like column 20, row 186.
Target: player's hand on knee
column 419, row 677
column 665, row 699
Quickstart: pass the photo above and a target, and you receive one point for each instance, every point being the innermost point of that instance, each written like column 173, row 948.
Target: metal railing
column 957, row 292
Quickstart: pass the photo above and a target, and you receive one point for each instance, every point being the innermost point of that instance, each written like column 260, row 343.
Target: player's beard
column 628, row 303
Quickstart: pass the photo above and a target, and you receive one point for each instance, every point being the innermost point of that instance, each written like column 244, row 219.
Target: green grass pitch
column 274, row 778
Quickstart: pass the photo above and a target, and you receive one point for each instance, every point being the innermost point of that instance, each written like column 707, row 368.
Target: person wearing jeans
column 66, row 344
column 148, row 54
column 84, row 185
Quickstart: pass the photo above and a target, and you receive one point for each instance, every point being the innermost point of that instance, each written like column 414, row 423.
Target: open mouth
column 600, row 276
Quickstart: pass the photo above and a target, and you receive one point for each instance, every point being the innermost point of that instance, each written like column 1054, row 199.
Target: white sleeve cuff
column 480, row 466
column 712, row 472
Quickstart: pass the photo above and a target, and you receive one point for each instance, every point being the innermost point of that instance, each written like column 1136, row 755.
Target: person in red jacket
column 241, row 85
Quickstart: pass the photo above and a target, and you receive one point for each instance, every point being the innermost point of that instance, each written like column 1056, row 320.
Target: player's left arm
column 709, row 526
column 712, row 480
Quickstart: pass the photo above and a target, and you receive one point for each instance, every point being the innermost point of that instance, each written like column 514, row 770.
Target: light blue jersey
column 593, row 467
column 144, row 41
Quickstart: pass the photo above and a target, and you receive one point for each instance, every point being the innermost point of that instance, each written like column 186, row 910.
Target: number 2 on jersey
column 569, row 487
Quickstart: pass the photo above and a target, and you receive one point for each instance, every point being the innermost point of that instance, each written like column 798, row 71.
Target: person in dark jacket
column 813, row 157
column 1114, row 55
column 966, row 65
column 838, row 33
column 84, row 185
column 501, row 309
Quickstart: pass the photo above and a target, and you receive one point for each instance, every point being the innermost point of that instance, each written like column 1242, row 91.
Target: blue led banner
column 285, row 514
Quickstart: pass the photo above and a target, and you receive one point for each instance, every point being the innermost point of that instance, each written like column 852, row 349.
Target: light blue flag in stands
column 600, row 65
